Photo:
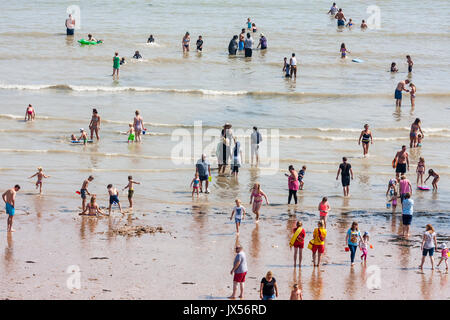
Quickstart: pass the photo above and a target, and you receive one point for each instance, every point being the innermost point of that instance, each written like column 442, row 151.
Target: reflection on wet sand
column 200, row 217
column 351, row 285
column 255, row 246
column 426, row 285
column 316, row 284
column 9, row 252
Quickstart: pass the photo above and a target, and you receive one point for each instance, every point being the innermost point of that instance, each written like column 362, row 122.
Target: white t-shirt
column 70, row 23
column 429, row 240
column 293, row 61
column 238, row 212
column 254, row 137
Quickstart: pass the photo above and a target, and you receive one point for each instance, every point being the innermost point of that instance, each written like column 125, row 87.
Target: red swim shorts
column 239, row 277
column 318, row 247
column 299, row 245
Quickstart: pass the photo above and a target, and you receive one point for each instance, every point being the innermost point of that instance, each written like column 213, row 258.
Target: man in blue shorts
column 9, row 197
column 398, row 92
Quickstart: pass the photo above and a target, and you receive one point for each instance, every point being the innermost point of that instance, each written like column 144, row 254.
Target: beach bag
column 310, row 244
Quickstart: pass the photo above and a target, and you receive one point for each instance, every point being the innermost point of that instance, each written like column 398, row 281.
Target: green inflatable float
column 82, row 41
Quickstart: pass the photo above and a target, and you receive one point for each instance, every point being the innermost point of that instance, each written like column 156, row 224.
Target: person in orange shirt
column 318, row 242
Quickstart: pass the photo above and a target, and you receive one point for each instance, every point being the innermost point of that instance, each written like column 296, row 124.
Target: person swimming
column 151, row 39
column 394, row 67
column 137, row 55
column 122, row 61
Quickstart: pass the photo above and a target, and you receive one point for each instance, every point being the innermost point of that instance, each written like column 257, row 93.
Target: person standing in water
column 432, row 173
column 340, row 18
column 401, row 86
column 333, row 9
column 70, row 25
column 345, row 169
column 401, row 162
column 150, row 39
column 365, row 137
column 407, row 214
column 257, row 198
column 293, row 65
column 292, row 184
column 256, row 139
column 233, row 45
column 203, row 168
column 138, row 124
column 130, row 188
column 410, row 63
column 323, row 208
column 30, row 114
column 40, row 176
column 199, row 44
column 185, row 42
column 429, row 244
column 241, row 40
column 414, row 133
column 116, row 66
column 412, row 93
column 84, row 191
column 344, row 51
column 94, row 125
column 248, row 46
column 262, row 42
column 9, row 197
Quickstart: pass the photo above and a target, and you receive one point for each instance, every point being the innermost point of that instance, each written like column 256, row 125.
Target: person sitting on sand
column 92, row 208
column 30, row 114
column 432, row 173
column 151, row 39
column 40, row 176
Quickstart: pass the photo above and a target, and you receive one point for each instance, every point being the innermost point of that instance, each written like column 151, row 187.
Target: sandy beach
column 173, row 246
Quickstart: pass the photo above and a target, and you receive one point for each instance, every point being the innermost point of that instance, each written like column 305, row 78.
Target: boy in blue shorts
column 239, row 213
column 113, row 198
column 301, row 174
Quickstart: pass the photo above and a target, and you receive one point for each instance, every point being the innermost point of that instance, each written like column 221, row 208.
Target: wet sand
column 193, row 258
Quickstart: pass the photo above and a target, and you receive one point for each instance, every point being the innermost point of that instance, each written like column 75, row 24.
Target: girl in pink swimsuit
column 256, row 196
column 324, row 207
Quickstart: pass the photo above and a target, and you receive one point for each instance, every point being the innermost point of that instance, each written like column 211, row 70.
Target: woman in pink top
column 405, row 187
column 292, row 184
column 324, row 207
column 256, row 196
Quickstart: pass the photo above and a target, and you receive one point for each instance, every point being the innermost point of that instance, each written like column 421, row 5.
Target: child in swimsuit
column 394, row 67
column 444, row 255
column 324, row 207
column 92, row 207
column 420, row 170
column 419, row 140
column 410, row 63
column 344, row 51
column 113, row 198
column 393, row 201
column 256, row 196
column 412, row 92
column 29, row 113
column 130, row 190
column 363, row 245
column 40, row 175
column 432, row 173
column 349, row 23
column 130, row 133
column 195, row 183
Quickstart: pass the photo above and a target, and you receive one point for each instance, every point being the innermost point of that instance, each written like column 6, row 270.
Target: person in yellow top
column 318, row 242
